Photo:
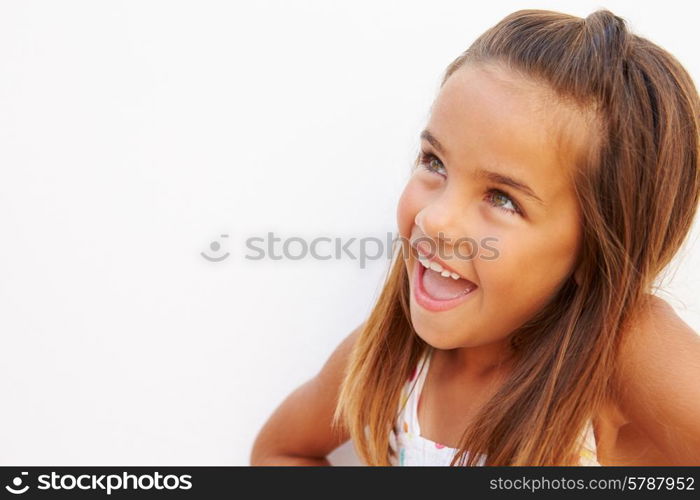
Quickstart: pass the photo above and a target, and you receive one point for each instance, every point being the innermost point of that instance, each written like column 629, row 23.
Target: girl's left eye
column 496, row 197
column 496, row 194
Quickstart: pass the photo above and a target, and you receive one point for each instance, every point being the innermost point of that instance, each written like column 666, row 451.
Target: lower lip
column 431, row 303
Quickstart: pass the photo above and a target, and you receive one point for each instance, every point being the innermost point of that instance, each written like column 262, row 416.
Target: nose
column 447, row 227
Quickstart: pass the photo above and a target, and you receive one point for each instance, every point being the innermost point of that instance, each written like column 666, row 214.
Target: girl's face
column 494, row 172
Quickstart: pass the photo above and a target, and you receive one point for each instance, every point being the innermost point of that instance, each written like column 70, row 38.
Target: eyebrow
column 432, row 140
column 491, row 175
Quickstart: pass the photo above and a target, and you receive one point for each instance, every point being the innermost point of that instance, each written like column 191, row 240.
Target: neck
column 481, row 362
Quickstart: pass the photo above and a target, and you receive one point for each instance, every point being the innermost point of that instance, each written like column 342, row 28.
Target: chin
column 435, row 338
column 447, row 337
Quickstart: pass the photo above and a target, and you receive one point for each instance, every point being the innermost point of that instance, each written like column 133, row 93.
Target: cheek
column 531, row 263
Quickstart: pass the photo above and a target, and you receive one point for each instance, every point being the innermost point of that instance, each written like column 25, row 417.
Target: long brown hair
column 637, row 185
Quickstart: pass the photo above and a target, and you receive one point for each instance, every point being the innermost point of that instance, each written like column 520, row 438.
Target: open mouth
column 437, row 289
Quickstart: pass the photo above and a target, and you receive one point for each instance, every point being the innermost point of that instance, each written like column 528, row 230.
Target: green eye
column 501, row 196
column 496, row 197
column 431, row 163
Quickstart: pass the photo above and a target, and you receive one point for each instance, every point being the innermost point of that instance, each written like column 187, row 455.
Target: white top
column 413, row 449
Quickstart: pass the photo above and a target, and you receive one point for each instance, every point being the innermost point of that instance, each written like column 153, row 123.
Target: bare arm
column 299, row 431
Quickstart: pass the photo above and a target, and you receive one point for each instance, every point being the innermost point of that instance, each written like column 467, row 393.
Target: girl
column 558, row 176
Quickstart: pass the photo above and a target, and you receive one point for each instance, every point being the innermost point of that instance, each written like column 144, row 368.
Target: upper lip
column 435, row 258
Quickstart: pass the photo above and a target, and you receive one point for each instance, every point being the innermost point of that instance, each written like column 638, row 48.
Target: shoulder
column 658, row 337
column 658, row 380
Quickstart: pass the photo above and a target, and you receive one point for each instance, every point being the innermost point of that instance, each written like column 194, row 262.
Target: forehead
column 488, row 117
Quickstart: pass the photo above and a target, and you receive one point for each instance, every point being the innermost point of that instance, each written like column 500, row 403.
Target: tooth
column 455, row 276
column 425, row 262
column 436, row 267
column 445, row 273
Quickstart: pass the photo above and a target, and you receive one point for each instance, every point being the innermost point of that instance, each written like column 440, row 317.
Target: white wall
column 135, row 133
